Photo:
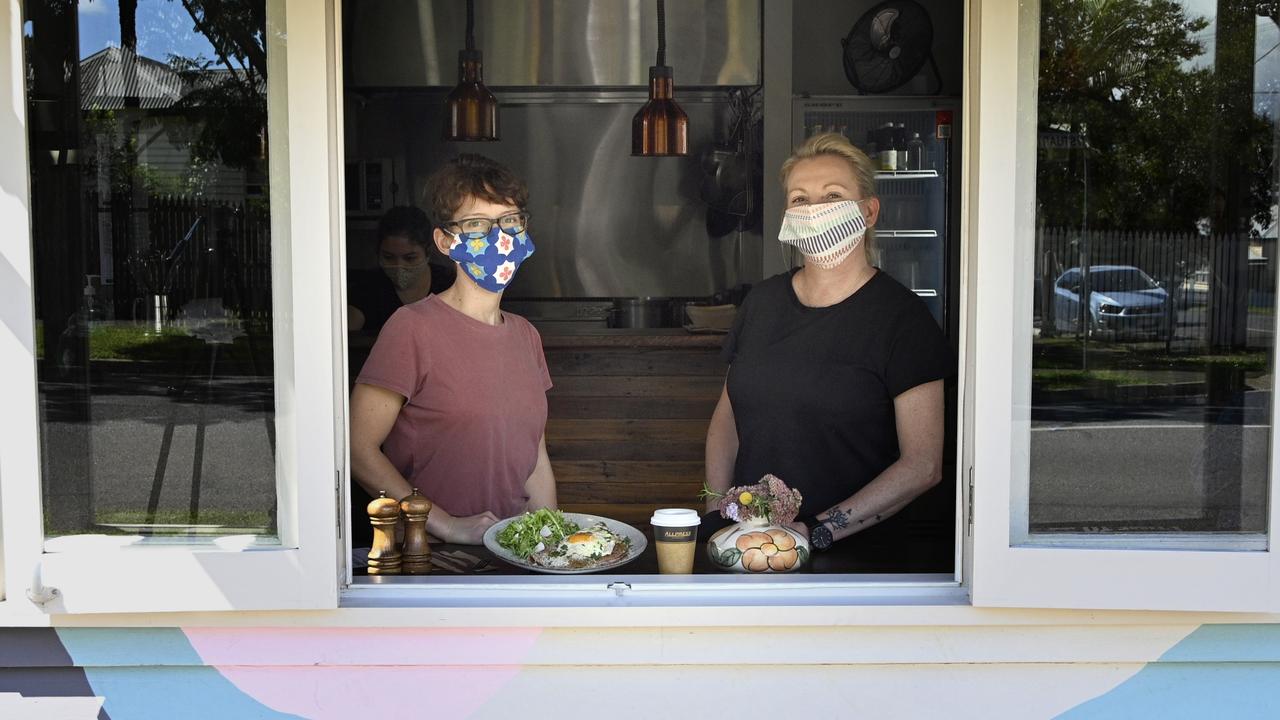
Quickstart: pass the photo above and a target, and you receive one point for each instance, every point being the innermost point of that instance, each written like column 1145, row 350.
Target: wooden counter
column 847, row 556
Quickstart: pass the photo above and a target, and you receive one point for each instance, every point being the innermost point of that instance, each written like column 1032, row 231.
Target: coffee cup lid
column 675, row 517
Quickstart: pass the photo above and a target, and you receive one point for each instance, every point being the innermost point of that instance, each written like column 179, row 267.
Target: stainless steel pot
column 644, row 312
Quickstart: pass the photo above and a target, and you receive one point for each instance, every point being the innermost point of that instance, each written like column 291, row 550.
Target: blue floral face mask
column 491, row 259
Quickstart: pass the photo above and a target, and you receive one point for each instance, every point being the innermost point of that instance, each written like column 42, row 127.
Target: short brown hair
column 472, row 176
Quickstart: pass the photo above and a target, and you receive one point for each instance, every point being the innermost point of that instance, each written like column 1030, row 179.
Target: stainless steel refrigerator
column 918, row 183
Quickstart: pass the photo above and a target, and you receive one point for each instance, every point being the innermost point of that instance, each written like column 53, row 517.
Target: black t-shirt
column 371, row 292
column 812, row 389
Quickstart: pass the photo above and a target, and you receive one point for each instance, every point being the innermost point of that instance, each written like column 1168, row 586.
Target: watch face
column 820, row 537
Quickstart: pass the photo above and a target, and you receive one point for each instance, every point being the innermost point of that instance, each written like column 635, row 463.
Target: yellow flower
column 745, row 498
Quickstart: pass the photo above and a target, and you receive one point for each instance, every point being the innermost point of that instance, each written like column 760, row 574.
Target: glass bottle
column 888, row 154
column 915, row 153
column 900, row 145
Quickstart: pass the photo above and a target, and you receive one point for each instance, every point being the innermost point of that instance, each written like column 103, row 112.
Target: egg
column 587, row 544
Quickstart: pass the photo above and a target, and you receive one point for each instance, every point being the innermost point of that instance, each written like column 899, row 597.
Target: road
column 1146, row 466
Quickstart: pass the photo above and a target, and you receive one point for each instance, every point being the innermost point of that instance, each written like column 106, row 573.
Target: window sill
column 654, row 591
column 946, row 609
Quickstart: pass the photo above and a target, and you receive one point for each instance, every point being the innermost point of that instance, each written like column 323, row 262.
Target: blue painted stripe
column 166, row 693
column 1189, row 691
column 1228, row 643
column 107, row 647
column 155, row 674
column 1217, row 671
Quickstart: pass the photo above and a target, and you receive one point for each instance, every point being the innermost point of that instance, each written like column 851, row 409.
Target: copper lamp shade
column 660, row 128
column 473, row 110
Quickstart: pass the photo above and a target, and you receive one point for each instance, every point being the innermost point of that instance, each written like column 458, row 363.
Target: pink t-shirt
column 475, row 404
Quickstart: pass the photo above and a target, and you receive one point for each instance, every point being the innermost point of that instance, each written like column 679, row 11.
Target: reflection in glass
column 1155, row 267
column 152, row 266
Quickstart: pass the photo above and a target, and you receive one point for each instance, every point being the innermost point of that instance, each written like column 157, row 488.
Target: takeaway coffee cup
column 675, row 534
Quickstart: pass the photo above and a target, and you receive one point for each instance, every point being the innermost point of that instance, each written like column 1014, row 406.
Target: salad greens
column 523, row 535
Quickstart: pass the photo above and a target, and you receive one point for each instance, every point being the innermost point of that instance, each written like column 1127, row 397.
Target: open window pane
column 1124, row 466
column 166, row 169
column 152, row 268
column 1155, row 269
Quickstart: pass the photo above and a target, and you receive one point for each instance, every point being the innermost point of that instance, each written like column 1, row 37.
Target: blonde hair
column 837, row 145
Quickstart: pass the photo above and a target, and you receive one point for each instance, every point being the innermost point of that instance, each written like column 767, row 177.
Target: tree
column 1128, row 78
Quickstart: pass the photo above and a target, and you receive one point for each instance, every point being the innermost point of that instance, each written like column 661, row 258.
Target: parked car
column 1123, row 300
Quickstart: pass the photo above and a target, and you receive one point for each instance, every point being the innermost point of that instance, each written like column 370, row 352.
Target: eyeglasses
column 511, row 224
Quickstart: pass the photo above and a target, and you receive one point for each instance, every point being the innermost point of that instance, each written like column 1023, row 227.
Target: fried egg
column 595, row 542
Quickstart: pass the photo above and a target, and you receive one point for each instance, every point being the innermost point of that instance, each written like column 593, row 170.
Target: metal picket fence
column 1221, row 288
column 186, row 248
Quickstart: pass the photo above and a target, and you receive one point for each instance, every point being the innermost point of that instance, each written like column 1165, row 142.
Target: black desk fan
column 888, row 45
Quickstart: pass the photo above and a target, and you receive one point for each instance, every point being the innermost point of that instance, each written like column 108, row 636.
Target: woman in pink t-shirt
column 452, row 400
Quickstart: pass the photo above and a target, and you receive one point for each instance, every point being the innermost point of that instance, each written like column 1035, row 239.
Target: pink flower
column 769, row 499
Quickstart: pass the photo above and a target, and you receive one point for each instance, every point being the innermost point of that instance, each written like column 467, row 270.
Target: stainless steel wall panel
column 553, row 43
column 606, row 224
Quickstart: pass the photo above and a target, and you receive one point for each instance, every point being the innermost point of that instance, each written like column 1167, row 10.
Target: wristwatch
column 819, row 534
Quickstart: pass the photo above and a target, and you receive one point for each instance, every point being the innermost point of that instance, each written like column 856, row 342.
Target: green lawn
column 140, row 343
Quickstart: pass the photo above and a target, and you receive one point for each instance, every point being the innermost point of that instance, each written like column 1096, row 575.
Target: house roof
column 114, row 76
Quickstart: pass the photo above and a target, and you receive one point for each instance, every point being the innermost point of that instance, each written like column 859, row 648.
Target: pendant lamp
column 473, row 110
column 660, row 128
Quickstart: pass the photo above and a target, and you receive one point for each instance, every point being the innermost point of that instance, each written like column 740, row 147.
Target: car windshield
column 1121, row 280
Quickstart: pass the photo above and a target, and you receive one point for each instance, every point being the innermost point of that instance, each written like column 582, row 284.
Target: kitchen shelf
column 905, row 174
column 906, row 233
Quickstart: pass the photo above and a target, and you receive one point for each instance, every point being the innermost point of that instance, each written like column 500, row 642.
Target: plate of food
column 565, row 543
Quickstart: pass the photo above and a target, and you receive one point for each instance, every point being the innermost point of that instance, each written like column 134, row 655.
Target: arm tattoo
column 878, row 519
column 838, row 518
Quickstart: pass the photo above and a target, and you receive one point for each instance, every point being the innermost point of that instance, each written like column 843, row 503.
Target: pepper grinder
column 384, row 558
column 417, row 551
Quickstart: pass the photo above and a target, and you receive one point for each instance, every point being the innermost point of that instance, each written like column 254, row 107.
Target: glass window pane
column 1155, row 267
column 150, row 214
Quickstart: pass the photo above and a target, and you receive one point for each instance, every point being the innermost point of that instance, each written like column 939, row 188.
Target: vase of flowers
column 759, row 541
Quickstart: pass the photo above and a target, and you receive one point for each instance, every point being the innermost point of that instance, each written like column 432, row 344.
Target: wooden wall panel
column 634, row 362
column 650, row 386
column 627, row 427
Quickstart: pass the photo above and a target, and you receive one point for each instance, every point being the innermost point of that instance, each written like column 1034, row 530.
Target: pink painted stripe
column 363, row 646
column 342, row 693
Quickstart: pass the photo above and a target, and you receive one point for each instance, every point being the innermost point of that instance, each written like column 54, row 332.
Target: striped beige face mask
column 825, row 234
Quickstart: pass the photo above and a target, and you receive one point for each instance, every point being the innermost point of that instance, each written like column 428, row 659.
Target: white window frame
column 1009, row 572
column 91, row 576
column 622, row 589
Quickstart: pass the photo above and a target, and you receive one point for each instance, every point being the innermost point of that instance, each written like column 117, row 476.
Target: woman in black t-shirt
column 835, row 369
column 404, row 275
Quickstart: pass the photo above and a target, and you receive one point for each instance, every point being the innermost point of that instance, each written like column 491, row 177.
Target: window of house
column 165, row 417
column 1141, row 263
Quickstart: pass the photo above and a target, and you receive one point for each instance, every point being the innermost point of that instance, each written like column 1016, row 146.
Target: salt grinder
column 417, row 552
column 384, row 558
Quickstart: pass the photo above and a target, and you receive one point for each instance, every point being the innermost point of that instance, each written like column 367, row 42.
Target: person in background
column 404, row 275
column 452, row 399
column 836, row 370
